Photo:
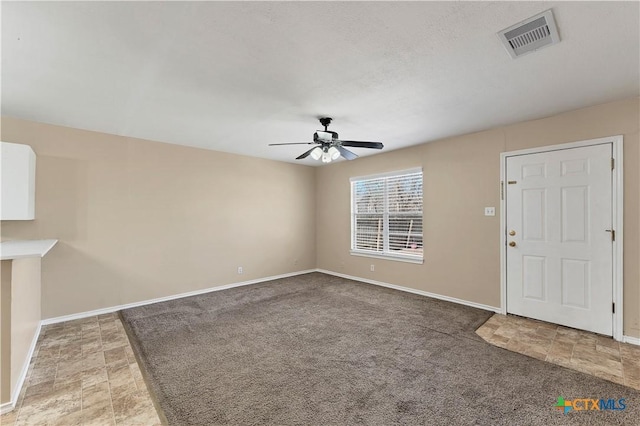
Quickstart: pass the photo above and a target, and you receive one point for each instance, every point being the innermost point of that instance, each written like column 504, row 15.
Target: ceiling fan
column 329, row 146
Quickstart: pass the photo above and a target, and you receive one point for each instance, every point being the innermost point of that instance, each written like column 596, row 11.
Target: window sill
column 399, row 258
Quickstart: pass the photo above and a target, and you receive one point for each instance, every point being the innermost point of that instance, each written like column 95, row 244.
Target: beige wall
column 5, row 331
column 461, row 177
column 25, row 312
column 139, row 220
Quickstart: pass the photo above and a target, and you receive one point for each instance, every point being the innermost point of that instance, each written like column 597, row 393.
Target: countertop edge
column 19, row 249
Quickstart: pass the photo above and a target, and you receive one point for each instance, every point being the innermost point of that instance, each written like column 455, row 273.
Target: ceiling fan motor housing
column 321, row 136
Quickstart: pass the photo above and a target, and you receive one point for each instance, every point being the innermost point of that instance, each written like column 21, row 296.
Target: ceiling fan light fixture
column 334, row 153
column 316, row 153
column 326, row 157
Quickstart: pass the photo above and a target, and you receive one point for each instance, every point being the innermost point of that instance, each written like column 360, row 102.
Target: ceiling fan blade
column 293, row 143
column 346, row 153
column 306, row 154
column 358, row 144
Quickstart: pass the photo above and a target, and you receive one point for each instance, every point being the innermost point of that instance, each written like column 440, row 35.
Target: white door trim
column 618, row 198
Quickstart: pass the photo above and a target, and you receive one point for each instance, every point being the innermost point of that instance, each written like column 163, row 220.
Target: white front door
column 559, row 251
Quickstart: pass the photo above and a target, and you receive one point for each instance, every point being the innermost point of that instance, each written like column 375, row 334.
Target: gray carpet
column 321, row 350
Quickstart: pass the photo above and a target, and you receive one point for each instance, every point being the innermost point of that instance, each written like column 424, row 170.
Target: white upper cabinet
column 17, row 182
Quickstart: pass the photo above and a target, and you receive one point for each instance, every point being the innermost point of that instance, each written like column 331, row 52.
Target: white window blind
column 387, row 215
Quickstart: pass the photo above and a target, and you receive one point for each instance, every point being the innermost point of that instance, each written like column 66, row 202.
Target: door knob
column 512, row 232
column 512, row 244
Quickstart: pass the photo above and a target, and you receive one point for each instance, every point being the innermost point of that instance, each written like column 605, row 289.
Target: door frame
column 617, row 217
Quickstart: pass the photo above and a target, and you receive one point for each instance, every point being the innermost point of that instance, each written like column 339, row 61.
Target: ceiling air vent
column 531, row 34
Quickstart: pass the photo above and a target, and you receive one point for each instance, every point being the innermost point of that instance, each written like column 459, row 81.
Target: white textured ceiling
column 236, row 76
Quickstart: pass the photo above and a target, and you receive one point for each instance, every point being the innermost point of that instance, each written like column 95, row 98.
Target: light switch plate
column 489, row 211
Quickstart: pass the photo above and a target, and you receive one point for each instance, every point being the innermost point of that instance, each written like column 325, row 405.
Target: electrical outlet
column 373, row 267
column 240, row 269
column 489, row 211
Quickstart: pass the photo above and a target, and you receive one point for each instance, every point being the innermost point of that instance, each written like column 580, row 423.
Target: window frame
column 386, row 253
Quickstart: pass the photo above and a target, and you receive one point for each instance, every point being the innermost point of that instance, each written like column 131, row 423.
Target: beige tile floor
column 589, row 353
column 83, row 372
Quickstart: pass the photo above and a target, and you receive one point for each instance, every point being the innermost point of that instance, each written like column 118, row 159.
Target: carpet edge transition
column 135, row 346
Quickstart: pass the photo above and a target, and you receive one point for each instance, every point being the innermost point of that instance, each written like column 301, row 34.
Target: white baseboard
column 414, row 291
column 631, row 340
column 101, row 311
column 9, row 406
column 6, row 407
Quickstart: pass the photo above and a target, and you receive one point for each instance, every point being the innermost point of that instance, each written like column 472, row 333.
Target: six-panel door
column 559, row 253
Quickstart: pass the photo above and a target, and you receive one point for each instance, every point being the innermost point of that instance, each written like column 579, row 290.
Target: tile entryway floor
column 579, row 350
column 84, row 372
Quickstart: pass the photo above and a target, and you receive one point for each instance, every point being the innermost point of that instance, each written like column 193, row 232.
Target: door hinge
column 613, row 307
column 502, row 190
column 613, row 234
column 613, row 163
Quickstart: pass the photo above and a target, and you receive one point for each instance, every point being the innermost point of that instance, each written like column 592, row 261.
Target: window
column 386, row 215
